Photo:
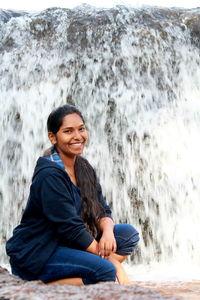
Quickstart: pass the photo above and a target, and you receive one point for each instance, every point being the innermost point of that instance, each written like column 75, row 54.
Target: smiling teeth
column 76, row 144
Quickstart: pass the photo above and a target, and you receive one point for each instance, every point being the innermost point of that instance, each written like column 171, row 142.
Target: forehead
column 72, row 120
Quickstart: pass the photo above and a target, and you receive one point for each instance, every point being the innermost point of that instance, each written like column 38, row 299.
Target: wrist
column 106, row 224
column 93, row 247
column 107, row 230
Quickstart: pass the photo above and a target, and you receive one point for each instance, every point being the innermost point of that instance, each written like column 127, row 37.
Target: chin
column 77, row 153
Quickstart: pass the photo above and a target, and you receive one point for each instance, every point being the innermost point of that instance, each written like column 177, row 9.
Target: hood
column 44, row 163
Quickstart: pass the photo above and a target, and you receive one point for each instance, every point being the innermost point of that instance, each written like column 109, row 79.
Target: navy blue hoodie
column 50, row 219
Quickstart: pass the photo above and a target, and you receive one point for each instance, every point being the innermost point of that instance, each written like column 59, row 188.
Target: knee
column 126, row 232
column 132, row 234
column 127, row 238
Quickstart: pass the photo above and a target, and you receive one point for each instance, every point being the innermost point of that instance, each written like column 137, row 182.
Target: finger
column 102, row 250
column 107, row 252
column 106, row 248
column 114, row 247
column 101, row 253
column 109, row 249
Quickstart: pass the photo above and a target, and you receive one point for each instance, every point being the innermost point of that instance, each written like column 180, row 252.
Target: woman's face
column 71, row 137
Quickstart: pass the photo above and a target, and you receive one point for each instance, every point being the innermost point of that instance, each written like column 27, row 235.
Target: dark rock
column 193, row 23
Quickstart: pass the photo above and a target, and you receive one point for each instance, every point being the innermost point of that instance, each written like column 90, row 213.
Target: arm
column 107, row 243
column 106, row 224
column 93, row 247
column 58, row 208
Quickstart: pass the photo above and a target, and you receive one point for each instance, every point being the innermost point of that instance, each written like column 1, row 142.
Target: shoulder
column 45, row 168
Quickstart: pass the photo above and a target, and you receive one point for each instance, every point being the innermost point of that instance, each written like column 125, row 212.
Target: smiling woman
column 67, row 234
column 71, row 137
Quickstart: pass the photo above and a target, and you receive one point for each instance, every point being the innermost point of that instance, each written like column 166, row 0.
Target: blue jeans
column 67, row 262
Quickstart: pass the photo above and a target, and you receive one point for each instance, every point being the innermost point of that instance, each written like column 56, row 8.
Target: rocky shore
column 13, row 288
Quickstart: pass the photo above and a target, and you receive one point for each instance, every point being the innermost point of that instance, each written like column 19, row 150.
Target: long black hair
column 92, row 210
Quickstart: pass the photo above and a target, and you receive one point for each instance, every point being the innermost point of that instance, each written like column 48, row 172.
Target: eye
column 82, row 129
column 67, row 131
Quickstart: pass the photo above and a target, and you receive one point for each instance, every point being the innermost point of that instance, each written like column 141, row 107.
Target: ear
column 52, row 138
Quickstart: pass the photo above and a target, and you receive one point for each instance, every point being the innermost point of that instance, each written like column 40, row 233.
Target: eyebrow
column 73, row 127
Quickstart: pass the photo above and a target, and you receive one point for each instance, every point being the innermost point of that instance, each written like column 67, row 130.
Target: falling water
column 134, row 73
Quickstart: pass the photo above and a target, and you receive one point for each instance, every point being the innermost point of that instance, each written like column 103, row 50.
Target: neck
column 68, row 161
column 69, row 166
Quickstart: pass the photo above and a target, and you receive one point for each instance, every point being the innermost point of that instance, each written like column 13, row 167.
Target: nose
column 77, row 135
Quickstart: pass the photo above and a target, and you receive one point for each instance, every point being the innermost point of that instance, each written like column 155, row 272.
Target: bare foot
column 122, row 277
column 70, row 281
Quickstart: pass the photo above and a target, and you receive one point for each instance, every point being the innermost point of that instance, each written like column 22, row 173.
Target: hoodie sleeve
column 58, row 207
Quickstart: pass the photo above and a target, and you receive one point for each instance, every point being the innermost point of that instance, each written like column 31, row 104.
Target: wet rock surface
column 13, row 288
column 181, row 289
column 43, row 24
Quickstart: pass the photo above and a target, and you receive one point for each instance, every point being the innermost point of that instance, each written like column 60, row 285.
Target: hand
column 107, row 244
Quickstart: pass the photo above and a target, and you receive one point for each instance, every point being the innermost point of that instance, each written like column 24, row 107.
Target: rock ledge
column 13, row 288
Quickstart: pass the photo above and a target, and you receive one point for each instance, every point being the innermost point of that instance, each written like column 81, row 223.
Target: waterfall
column 134, row 74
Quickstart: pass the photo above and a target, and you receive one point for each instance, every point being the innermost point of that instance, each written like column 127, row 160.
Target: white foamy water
column 24, row 5
column 137, row 81
column 160, row 273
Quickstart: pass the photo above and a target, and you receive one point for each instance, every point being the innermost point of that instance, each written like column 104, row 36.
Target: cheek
column 86, row 136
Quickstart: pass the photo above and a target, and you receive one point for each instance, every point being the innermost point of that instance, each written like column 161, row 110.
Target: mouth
column 77, row 144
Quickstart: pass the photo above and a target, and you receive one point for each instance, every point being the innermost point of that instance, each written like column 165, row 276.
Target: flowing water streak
column 135, row 77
